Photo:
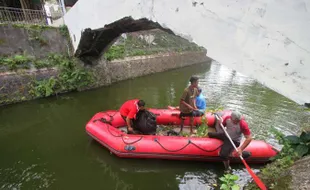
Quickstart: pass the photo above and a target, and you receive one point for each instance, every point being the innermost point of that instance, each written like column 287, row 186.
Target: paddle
column 258, row 182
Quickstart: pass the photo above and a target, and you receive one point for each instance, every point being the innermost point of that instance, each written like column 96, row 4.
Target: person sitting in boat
column 235, row 127
column 201, row 102
column 188, row 106
column 129, row 110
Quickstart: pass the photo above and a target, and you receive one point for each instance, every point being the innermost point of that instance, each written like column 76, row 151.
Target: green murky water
column 43, row 144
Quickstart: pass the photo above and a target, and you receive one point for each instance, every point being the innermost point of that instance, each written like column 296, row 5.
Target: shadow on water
column 43, row 143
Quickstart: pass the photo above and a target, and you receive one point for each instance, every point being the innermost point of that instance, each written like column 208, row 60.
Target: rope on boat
column 103, row 120
column 156, row 140
column 205, row 149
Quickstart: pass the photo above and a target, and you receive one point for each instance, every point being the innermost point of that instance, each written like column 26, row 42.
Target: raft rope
column 189, row 142
column 103, row 120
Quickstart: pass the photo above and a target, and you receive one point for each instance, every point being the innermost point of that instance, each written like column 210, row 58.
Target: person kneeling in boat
column 201, row 102
column 235, row 127
column 188, row 103
column 129, row 110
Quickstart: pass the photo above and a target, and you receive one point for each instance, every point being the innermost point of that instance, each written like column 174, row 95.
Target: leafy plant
column 64, row 30
column 301, row 144
column 294, row 147
column 115, row 52
column 228, row 182
column 202, row 130
column 215, row 109
column 44, row 88
column 184, row 134
column 17, row 61
column 71, row 77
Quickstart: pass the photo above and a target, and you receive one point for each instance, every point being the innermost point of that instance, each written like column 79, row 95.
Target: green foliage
column 184, row 134
column 228, row 182
column 163, row 42
column 64, row 30
column 202, row 130
column 44, row 88
column 299, row 144
column 115, row 52
column 215, row 109
column 17, row 61
column 294, row 147
column 71, row 77
column 45, row 63
column 32, row 26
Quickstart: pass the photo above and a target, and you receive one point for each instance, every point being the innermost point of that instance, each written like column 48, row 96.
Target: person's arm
column 194, row 98
column 247, row 134
column 130, row 116
column 183, row 102
column 248, row 139
column 128, row 121
column 194, row 103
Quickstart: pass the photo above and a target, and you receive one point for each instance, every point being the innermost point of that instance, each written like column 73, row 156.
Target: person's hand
column 239, row 151
column 130, row 130
column 191, row 108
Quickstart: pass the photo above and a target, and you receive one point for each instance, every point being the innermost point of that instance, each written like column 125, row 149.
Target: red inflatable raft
column 104, row 128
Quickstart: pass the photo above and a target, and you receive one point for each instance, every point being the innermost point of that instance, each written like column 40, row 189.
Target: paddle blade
column 258, row 182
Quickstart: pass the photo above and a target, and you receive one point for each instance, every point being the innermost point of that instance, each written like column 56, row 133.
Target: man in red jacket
column 129, row 110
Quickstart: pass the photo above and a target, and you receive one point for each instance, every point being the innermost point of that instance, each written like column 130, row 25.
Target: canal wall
column 30, row 84
column 37, row 61
column 108, row 72
column 33, row 40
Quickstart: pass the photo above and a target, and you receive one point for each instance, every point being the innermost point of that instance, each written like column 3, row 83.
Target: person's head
column 235, row 117
column 194, row 81
column 199, row 91
column 141, row 105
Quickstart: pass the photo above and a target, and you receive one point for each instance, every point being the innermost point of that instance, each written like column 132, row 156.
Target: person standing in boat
column 235, row 127
column 129, row 110
column 201, row 102
column 188, row 106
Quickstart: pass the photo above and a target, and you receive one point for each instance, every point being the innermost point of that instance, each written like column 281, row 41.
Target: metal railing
column 22, row 16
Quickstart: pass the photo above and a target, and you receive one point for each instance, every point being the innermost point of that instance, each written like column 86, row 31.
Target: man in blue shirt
column 201, row 102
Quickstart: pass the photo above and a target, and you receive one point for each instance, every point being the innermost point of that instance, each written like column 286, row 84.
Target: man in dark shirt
column 188, row 103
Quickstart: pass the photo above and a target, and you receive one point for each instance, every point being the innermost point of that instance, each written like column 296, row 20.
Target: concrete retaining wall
column 118, row 70
column 14, row 86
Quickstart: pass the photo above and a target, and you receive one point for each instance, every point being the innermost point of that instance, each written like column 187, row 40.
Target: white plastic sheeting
column 268, row 40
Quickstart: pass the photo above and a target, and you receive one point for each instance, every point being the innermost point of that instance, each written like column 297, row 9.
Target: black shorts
column 227, row 147
column 194, row 113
